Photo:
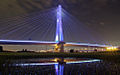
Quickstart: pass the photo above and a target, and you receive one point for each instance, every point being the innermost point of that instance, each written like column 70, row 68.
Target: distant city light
column 112, row 48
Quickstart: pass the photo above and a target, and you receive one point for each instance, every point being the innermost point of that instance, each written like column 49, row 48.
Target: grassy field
column 113, row 56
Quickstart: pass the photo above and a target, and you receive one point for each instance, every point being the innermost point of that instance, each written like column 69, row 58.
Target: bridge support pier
column 60, row 47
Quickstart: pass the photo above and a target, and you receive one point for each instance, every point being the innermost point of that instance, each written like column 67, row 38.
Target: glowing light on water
column 34, row 64
column 56, row 63
column 56, row 69
column 83, row 61
column 59, row 69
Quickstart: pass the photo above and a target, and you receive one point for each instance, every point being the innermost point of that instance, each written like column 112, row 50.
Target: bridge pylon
column 59, row 31
column 59, row 47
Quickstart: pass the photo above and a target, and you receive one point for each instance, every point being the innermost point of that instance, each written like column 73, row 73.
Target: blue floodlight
column 59, row 31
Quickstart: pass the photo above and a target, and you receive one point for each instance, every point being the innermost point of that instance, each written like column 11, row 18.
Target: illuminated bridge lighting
column 50, row 42
column 59, row 30
column 25, row 42
column 58, row 37
column 88, row 44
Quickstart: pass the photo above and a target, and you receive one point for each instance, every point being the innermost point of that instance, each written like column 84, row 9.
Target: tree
column 1, row 49
column 71, row 50
column 95, row 50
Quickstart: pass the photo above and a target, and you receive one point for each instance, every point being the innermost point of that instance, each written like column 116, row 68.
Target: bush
column 72, row 50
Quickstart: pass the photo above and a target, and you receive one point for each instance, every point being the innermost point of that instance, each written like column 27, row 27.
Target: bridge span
column 59, row 42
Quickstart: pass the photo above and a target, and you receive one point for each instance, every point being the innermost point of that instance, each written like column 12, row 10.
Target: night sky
column 101, row 16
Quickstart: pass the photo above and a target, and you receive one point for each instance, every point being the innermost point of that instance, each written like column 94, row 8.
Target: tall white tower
column 59, row 31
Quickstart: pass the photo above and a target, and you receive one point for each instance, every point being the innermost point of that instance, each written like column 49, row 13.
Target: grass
column 99, row 55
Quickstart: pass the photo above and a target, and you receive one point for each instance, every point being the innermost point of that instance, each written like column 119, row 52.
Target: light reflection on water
column 61, row 66
column 56, row 61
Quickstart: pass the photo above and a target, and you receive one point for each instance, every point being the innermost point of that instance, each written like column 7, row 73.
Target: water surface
column 60, row 66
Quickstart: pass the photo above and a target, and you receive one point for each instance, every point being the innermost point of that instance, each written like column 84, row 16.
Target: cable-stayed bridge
column 54, row 27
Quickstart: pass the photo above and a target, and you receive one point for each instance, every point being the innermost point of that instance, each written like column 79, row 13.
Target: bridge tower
column 59, row 31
